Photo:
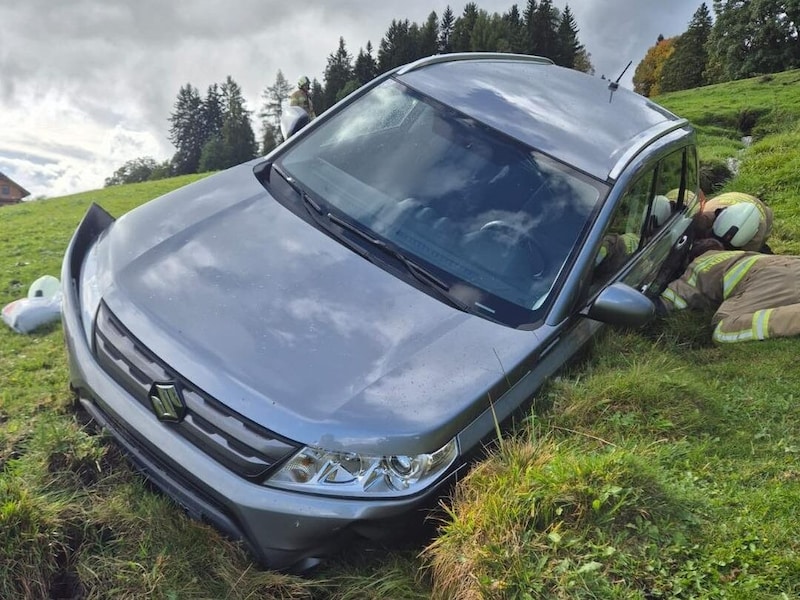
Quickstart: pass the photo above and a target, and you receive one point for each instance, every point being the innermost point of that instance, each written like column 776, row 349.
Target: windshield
column 496, row 219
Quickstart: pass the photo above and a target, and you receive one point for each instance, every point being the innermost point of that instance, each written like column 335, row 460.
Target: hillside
column 661, row 466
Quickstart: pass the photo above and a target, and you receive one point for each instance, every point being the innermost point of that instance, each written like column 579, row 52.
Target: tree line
column 745, row 39
column 214, row 131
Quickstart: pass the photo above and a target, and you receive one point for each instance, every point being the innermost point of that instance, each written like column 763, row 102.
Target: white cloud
column 86, row 85
column 51, row 145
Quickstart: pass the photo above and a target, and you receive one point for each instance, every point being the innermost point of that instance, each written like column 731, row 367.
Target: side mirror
column 620, row 304
column 293, row 119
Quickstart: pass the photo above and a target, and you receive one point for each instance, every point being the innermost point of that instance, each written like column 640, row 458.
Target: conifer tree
column 366, row 67
column 544, row 30
column 414, row 36
column 684, row 69
column 487, row 33
column 528, row 21
column 462, row 29
column 273, row 98
column 568, row 46
column 337, row 73
column 446, row 30
column 213, row 117
column 514, row 30
column 212, row 113
column 318, row 96
column 397, row 47
column 238, row 139
column 429, row 36
column 270, row 138
column 213, row 156
column 186, row 131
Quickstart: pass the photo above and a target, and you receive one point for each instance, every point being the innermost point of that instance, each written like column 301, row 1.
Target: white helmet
column 303, row 82
column 737, row 224
column 660, row 211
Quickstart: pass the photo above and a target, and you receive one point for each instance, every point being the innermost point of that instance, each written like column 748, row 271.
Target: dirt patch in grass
column 86, row 469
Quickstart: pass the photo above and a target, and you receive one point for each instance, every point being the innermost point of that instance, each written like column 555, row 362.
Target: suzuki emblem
column 167, row 402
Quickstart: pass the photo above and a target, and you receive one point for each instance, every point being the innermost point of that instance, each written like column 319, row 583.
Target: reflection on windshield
column 491, row 214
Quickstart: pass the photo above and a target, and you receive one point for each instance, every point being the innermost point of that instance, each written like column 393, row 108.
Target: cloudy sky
column 86, row 85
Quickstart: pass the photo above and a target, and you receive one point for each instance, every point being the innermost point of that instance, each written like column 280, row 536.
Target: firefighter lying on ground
column 756, row 296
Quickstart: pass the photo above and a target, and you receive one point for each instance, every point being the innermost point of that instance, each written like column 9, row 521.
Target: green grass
column 662, row 469
column 661, row 466
column 723, row 114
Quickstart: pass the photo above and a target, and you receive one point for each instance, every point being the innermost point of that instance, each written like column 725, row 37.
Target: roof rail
column 455, row 56
column 644, row 139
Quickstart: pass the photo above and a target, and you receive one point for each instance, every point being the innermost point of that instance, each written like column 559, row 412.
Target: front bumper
column 284, row 530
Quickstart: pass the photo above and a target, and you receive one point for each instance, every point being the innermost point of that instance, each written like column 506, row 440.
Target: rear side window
column 644, row 209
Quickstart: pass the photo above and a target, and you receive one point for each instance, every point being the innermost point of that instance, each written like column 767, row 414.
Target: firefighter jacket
column 705, row 220
column 301, row 98
column 756, row 296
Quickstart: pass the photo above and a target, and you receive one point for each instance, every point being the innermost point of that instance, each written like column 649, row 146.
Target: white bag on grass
column 42, row 306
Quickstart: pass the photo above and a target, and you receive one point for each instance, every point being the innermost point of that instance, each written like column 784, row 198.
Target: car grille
column 244, row 447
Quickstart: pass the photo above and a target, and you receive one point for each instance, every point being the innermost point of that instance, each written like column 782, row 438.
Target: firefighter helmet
column 737, row 224
column 660, row 211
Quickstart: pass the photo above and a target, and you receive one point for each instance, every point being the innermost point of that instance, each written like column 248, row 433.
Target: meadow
column 659, row 465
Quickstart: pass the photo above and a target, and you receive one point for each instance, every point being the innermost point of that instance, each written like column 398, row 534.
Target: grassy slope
column 661, row 467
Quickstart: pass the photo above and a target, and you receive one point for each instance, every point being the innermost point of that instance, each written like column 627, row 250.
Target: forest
column 742, row 38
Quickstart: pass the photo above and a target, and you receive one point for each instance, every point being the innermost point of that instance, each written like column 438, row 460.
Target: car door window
column 669, row 190
column 624, row 234
column 681, row 192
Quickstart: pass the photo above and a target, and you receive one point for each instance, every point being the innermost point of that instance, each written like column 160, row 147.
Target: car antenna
column 614, row 85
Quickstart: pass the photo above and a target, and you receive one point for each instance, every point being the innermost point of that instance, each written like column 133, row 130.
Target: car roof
column 585, row 121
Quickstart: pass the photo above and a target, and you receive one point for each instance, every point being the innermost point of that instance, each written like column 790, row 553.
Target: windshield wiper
column 418, row 272
column 287, row 178
column 320, row 217
column 309, row 202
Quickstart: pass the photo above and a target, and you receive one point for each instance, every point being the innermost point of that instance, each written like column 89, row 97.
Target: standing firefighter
column 756, row 296
column 739, row 221
column 302, row 98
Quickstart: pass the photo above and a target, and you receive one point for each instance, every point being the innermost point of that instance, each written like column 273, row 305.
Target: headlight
column 90, row 291
column 349, row 474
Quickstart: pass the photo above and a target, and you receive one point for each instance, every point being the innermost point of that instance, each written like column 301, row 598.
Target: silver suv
column 313, row 344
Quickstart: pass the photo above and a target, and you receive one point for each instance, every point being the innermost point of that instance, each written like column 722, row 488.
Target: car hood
column 293, row 330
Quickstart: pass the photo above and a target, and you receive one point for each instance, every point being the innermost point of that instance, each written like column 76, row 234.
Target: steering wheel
column 529, row 250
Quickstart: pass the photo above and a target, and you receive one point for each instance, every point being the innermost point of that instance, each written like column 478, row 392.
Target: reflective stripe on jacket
column 756, row 296
column 758, row 329
column 702, row 284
